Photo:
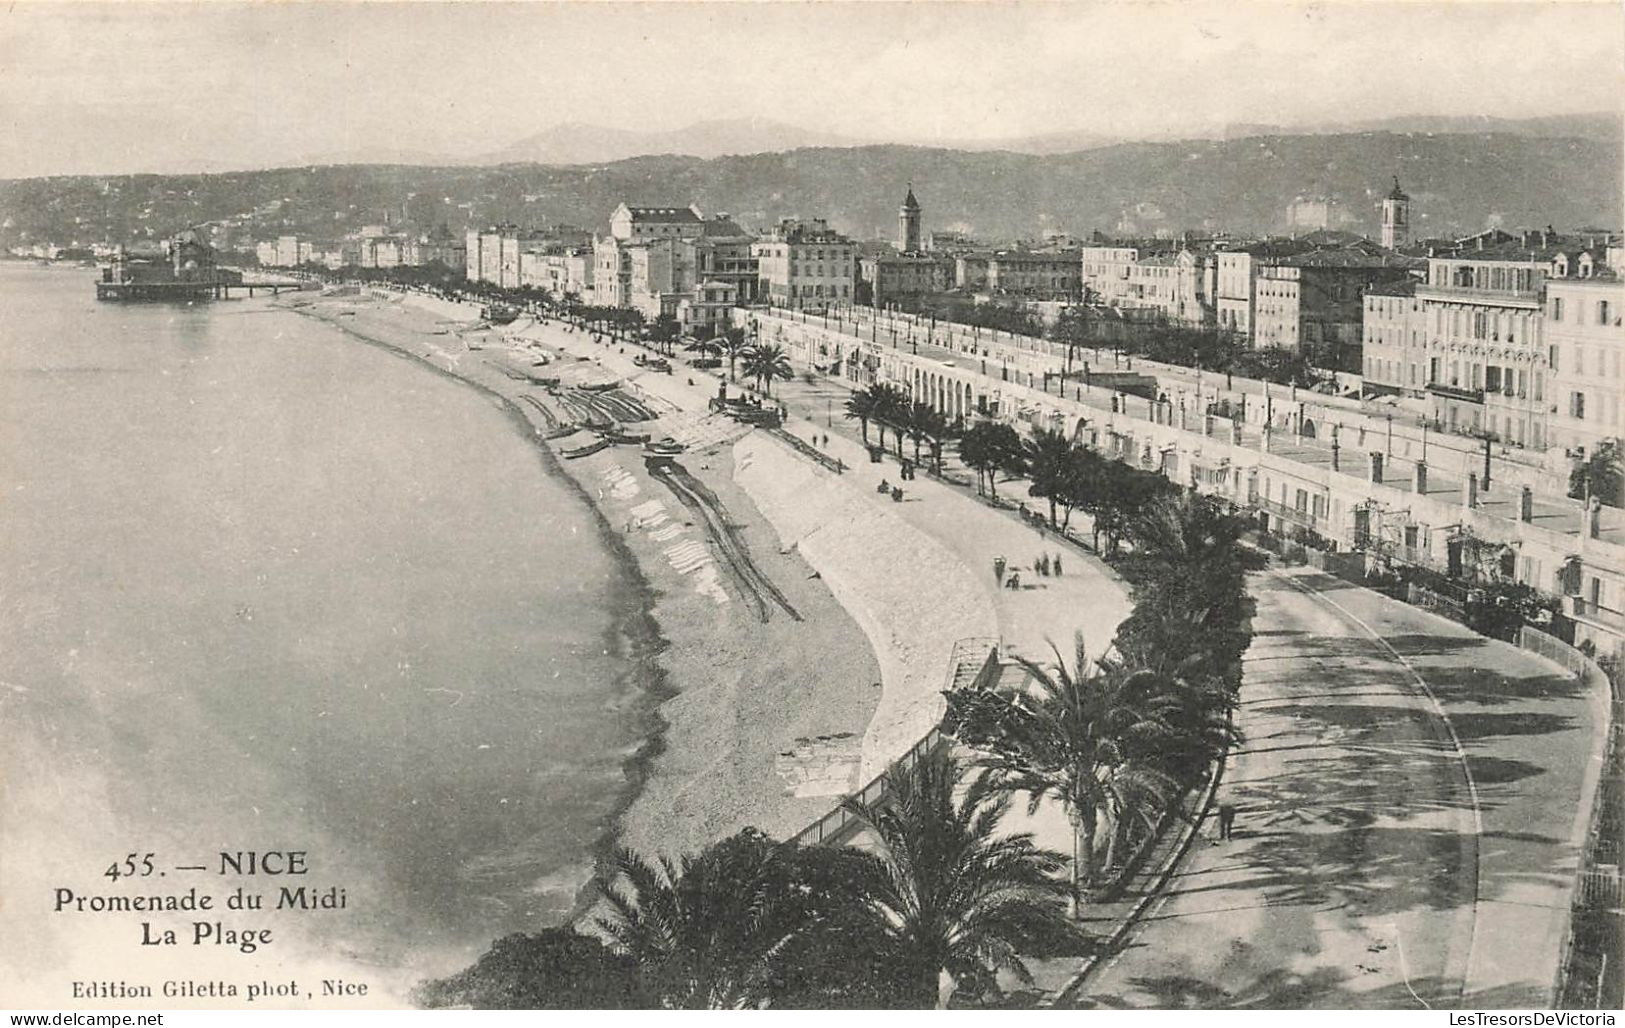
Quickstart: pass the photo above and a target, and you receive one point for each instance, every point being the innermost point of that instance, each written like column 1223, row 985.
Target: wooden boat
column 626, row 438
column 561, row 432
column 665, row 448
column 588, row 450
column 601, row 387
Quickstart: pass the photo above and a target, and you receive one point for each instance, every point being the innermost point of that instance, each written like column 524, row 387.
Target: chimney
column 1421, row 478
column 1469, row 491
column 1376, row 466
column 1526, row 505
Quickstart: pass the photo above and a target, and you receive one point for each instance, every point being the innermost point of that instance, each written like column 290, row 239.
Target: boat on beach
column 586, row 451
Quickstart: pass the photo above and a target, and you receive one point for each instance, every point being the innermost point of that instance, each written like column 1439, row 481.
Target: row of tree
column 886, row 406
column 943, row 899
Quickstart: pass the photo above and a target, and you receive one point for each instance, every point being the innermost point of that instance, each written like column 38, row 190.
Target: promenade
column 1389, row 851
column 1413, row 797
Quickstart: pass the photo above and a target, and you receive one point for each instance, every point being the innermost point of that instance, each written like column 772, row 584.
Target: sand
column 760, row 724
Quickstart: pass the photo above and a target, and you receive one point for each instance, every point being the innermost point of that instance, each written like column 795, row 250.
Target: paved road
column 1368, row 870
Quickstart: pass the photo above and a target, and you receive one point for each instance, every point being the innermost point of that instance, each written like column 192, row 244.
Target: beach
column 761, row 722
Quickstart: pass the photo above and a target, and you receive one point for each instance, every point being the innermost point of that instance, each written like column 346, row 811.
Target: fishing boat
column 601, row 387
column 588, row 450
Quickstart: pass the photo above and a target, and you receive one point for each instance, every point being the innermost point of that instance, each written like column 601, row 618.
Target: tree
column 950, row 894
column 766, row 362
column 555, row 969
column 891, row 410
column 664, row 332
column 861, row 406
column 1084, row 736
column 1601, row 474
column 934, row 427
column 988, row 447
column 709, row 932
column 1049, row 459
column 705, row 347
column 734, row 343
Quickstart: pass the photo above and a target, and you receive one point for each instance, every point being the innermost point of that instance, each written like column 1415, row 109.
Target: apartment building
column 1313, row 302
column 1585, row 348
column 805, row 264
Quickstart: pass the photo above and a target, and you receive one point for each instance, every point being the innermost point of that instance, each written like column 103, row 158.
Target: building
column 637, row 224
column 1393, row 345
column 899, row 277
column 1236, row 275
column 1313, row 302
column 723, row 254
column 1396, row 218
column 805, row 264
column 704, row 313
column 1585, row 347
column 1045, row 276
column 439, row 247
column 908, row 224
column 1486, row 361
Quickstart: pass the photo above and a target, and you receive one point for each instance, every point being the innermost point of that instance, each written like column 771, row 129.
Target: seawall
column 912, row 598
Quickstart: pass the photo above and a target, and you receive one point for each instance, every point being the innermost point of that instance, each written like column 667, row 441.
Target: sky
column 109, row 88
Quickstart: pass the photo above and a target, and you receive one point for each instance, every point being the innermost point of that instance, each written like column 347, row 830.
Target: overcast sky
column 127, row 86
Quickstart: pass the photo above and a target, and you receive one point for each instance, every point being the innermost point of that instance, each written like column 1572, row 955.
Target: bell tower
column 1396, row 217
column 908, row 224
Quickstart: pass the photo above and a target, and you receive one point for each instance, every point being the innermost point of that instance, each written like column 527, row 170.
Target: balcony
column 1456, row 392
column 1302, row 518
column 1582, row 609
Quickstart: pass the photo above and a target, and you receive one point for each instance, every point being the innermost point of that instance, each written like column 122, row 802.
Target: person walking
column 998, row 570
column 1227, row 817
column 1057, row 565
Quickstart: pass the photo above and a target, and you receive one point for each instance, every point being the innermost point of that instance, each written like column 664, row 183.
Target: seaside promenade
column 1412, row 796
column 1366, row 718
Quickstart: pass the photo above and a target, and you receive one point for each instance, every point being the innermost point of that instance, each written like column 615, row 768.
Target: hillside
column 1458, row 183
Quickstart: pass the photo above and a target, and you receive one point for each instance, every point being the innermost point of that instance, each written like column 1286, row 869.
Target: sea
column 265, row 588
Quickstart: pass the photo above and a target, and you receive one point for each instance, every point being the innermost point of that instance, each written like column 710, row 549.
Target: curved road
column 1372, row 865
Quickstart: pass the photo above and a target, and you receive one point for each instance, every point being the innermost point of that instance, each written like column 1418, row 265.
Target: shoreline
column 633, row 632
column 728, row 701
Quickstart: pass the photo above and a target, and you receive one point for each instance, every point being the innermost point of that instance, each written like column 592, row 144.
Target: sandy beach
column 760, row 723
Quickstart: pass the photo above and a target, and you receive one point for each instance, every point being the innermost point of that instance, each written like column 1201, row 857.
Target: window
column 1551, row 357
column 1602, row 312
column 1557, row 308
column 1577, row 405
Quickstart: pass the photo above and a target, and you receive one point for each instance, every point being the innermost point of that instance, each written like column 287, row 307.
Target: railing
column 1456, row 392
column 833, row 827
column 1582, row 965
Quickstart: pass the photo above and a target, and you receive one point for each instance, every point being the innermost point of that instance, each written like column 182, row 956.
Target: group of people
column 887, row 487
column 1045, row 565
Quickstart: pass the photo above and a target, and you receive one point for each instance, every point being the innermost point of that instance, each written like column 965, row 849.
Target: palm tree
column 1089, row 737
column 953, row 896
column 766, row 362
column 709, row 932
column 705, row 347
column 928, row 424
column 734, row 344
column 861, row 406
column 1049, row 461
column 989, row 447
column 891, row 408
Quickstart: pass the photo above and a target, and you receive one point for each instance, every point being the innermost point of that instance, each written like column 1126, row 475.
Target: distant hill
column 1459, row 183
column 578, row 143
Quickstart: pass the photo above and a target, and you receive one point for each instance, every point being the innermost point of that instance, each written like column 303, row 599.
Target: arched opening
column 1307, row 429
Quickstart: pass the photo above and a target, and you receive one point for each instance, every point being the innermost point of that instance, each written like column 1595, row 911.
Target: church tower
column 1396, row 217
column 908, row 224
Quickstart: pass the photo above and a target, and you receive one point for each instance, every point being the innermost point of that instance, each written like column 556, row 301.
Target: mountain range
column 582, row 143
column 1459, row 184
